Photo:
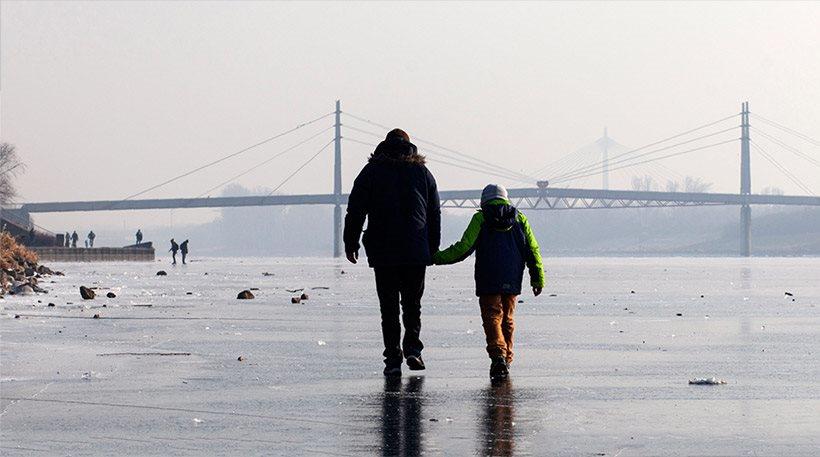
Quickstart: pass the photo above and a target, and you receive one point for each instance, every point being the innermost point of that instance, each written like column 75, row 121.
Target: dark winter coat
column 399, row 198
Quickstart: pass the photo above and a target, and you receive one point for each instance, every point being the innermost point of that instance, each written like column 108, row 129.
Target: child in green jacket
column 504, row 243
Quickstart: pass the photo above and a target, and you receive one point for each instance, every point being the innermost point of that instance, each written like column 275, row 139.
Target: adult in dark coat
column 173, row 250
column 183, row 248
column 398, row 195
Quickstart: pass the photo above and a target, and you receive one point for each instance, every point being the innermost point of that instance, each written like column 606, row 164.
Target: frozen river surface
column 599, row 370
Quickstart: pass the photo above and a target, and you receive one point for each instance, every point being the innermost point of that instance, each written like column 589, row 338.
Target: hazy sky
column 105, row 99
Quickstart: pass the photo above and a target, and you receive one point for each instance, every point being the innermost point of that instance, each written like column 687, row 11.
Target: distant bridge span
column 526, row 198
column 538, row 198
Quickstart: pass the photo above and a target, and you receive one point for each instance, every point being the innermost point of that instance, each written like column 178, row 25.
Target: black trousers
column 400, row 286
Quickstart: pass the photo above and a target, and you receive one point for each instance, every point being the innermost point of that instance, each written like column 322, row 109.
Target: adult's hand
column 536, row 291
column 353, row 256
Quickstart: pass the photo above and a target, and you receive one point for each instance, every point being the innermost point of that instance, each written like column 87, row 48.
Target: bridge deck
column 532, row 198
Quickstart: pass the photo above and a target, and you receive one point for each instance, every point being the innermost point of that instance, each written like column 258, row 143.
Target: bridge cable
column 602, row 165
column 463, row 167
column 653, row 159
column 586, row 157
column 792, row 149
column 664, row 140
column 565, row 158
column 583, row 150
column 450, row 150
column 488, row 169
column 322, row 149
column 783, row 169
column 264, row 162
column 787, row 129
column 656, row 170
column 223, row 158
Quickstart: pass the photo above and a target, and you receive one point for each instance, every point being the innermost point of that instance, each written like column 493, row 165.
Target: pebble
column 244, row 295
column 87, row 293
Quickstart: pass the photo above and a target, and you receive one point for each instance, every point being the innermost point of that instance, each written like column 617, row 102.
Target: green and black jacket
column 504, row 243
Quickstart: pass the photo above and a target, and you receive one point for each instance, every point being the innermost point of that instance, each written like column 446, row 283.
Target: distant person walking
column 398, row 195
column 183, row 248
column 91, row 237
column 173, row 251
column 74, row 239
column 67, row 241
column 139, row 236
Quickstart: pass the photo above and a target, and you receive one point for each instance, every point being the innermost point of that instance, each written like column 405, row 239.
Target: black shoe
column 392, row 371
column 415, row 363
column 498, row 368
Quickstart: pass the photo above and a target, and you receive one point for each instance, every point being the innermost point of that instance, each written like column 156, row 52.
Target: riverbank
column 19, row 268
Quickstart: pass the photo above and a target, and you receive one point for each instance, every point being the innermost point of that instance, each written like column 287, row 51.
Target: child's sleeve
column 534, row 263
column 461, row 249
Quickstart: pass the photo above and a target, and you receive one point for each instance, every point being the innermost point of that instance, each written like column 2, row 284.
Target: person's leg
column 387, row 287
column 508, row 323
column 184, row 254
column 412, row 289
column 174, row 256
column 491, row 317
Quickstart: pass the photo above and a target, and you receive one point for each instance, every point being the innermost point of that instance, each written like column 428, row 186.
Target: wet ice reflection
column 402, row 404
column 497, row 423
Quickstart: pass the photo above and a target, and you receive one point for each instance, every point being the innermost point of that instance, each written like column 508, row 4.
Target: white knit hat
column 493, row 191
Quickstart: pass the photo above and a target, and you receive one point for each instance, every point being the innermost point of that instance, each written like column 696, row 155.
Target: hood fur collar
column 398, row 152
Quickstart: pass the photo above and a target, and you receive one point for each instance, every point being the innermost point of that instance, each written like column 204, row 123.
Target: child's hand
column 536, row 291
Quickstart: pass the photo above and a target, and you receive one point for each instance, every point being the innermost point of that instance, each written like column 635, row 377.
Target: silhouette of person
column 499, row 415
column 139, row 236
column 183, row 248
column 67, row 242
column 74, row 239
column 91, row 237
column 31, row 236
column 173, row 250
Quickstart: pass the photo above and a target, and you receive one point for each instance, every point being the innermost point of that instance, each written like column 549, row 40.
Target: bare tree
column 672, row 186
column 646, row 183
column 691, row 184
column 772, row 191
column 10, row 167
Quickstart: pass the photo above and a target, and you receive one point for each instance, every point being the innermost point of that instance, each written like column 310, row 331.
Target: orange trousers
column 497, row 315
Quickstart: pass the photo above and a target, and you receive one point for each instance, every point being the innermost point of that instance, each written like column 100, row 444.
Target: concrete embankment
column 62, row 254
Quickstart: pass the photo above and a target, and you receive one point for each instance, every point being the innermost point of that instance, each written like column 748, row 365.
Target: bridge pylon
column 745, row 184
column 337, row 184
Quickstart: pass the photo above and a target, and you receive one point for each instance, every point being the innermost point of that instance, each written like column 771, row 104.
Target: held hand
column 353, row 256
column 536, row 291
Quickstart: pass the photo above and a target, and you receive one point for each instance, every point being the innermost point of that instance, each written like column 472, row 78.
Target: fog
column 104, row 100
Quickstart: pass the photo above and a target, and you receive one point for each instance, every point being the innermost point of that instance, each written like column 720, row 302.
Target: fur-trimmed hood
column 394, row 150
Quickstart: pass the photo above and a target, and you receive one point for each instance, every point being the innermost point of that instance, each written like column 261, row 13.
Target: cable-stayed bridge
column 540, row 194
